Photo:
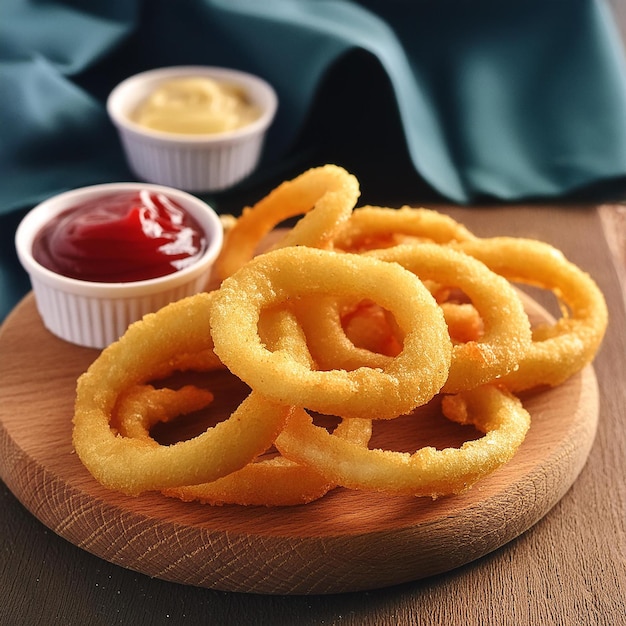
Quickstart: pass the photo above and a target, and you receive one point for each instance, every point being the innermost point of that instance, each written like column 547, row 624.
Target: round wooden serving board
column 346, row 541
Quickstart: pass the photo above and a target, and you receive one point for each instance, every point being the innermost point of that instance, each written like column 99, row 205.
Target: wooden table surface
column 569, row 569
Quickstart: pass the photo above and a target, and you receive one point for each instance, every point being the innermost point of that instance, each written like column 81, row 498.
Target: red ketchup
column 121, row 237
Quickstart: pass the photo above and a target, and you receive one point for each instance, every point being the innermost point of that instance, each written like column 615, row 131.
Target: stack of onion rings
column 506, row 328
column 360, row 315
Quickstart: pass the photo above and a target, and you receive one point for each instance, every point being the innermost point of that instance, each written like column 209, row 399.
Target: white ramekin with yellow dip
column 195, row 128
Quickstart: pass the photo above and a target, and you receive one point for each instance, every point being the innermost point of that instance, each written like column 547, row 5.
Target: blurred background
column 424, row 101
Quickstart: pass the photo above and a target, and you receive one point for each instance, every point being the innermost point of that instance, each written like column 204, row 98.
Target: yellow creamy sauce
column 196, row 105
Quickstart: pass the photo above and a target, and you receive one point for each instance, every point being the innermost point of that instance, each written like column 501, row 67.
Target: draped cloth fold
column 508, row 100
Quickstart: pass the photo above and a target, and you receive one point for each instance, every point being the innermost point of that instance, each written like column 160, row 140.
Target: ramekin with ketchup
column 102, row 257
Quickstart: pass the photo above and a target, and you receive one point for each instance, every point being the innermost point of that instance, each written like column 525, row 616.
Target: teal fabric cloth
column 510, row 100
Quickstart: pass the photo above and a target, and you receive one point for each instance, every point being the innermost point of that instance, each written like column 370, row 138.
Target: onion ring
column 276, row 481
column 133, row 466
column 427, row 472
column 411, row 378
column 506, row 329
column 328, row 340
column 561, row 349
column 142, row 406
column 371, row 227
column 266, row 482
column 329, row 190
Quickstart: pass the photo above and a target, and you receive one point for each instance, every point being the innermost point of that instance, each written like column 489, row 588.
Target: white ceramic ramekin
column 96, row 314
column 191, row 162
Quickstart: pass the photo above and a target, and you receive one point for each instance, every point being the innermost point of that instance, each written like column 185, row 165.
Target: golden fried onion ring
column 428, row 471
column 142, row 406
column 330, row 343
column 133, row 466
column 329, row 190
column 506, row 332
column 371, row 227
column 275, row 481
column 561, row 349
column 267, row 482
column 410, row 379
